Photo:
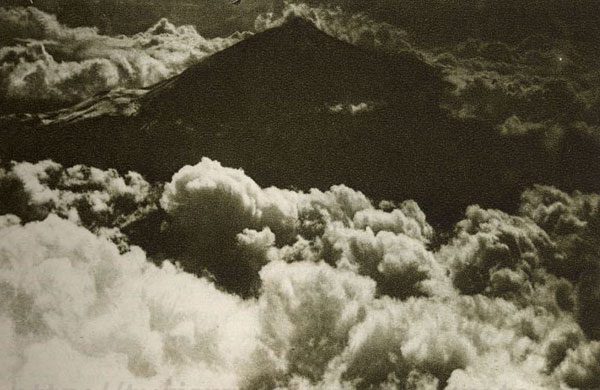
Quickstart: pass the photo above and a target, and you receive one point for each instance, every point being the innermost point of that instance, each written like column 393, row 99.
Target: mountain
column 296, row 107
column 292, row 69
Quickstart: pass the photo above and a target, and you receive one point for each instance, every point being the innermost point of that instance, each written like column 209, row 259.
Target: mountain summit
column 296, row 107
column 294, row 68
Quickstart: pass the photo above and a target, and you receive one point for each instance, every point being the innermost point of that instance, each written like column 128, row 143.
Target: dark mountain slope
column 296, row 107
column 292, row 69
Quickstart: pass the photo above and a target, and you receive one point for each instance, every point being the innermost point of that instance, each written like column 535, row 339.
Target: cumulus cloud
column 209, row 195
column 495, row 253
column 71, row 294
column 562, row 214
column 433, row 20
column 342, row 294
column 485, row 89
column 307, row 311
column 101, row 200
column 118, row 315
column 572, row 222
column 580, row 368
column 509, row 259
column 44, row 60
column 221, row 222
column 224, row 213
column 401, row 265
column 419, row 343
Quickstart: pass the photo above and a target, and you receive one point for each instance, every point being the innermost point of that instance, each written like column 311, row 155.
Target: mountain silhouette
column 294, row 106
column 292, row 69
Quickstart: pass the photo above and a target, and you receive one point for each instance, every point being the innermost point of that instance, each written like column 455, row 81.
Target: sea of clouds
column 211, row 281
column 337, row 292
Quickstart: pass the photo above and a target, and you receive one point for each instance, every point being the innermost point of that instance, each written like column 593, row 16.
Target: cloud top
column 44, row 60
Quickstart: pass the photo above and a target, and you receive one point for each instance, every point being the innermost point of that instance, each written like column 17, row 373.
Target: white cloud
column 71, row 294
column 343, row 294
column 50, row 61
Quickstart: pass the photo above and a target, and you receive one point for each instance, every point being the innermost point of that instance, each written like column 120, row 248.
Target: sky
column 212, row 280
column 439, row 20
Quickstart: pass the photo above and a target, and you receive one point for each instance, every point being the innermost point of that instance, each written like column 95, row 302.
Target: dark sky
column 438, row 20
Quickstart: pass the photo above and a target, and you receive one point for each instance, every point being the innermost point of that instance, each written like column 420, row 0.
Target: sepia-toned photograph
column 299, row 195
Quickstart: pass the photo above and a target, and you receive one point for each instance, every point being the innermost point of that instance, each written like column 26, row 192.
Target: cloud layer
column 344, row 293
column 46, row 61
